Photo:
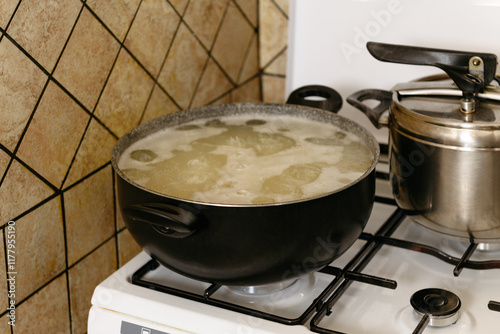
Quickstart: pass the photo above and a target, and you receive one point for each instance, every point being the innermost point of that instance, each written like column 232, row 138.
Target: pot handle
column 166, row 219
column 374, row 114
column 326, row 98
column 470, row 71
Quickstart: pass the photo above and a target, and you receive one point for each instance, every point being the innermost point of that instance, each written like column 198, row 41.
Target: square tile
column 50, row 24
column 117, row 15
column 159, row 104
column 93, row 153
column 4, row 299
column 183, row 67
column 232, row 43
column 127, row 247
column 21, row 84
column 249, row 92
column 204, row 17
column 179, row 5
column 87, row 60
column 251, row 65
column 224, row 99
column 20, row 191
column 84, row 277
column 273, row 31
column 250, row 8
column 283, row 5
column 213, row 85
column 124, row 98
column 4, row 324
column 6, row 11
column 53, row 135
column 40, row 228
column 273, row 89
column 89, row 211
column 151, row 33
column 120, row 223
column 278, row 65
column 4, row 162
column 47, row 309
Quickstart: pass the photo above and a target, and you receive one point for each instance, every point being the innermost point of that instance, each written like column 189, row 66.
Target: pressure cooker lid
column 462, row 111
column 441, row 103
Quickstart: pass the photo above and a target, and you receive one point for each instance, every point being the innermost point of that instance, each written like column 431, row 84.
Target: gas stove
column 398, row 277
column 394, row 264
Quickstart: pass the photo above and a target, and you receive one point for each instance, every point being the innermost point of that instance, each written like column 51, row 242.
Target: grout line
column 175, row 9
column 97, row 170
column 30, row 118
column 259, row 59
column 244, row 14
column 115, row 212
column 273, row 75
column 161, row 69
column 31, row 170
column 68, row 290
column 211, row 57
column 11, row 17
column 246, row 57
column 276, row 56
column 91, row 252
column 199, row 81
column 251, row 78
column 123, row 46
column 33, row 208
column 67, row 41
column 280, row 9
column 11, row 157
column 76, row 153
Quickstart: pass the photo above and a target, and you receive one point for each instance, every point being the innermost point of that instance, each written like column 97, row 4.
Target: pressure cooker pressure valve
column 471, row 71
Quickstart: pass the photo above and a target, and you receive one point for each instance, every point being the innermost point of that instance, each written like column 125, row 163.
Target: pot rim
column 125, row 141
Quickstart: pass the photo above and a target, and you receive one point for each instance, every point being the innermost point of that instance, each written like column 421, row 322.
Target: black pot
column 247, row 245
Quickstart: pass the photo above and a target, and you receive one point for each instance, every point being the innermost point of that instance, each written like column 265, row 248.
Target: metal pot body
column 452, row 190
column 246, row 245
column 444, row 164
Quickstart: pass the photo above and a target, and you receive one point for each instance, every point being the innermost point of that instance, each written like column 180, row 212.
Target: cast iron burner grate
column 459, row 263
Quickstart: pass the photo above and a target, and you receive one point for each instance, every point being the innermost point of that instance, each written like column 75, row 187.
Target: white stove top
column 122, row 307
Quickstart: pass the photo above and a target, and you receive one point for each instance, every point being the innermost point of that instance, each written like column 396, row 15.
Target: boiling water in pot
column 247, row 159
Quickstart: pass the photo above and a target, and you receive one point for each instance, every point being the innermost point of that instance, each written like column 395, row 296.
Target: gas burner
column 262, row 289
column 488, row 247
column 459, row 246
column 438, row 307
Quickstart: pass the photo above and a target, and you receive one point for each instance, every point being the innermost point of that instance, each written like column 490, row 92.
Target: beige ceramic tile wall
column 76, row 75
column 273, row 27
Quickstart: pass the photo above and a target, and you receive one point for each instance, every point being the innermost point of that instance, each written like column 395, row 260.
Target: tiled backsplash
column 273, row 27
column 76, row 75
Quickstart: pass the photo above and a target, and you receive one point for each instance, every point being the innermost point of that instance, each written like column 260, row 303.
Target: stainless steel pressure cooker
column 444, row 143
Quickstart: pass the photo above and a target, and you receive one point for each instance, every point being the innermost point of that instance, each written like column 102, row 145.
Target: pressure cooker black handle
column 470, row 71
column 316, row 96
column 166, row 219
column 373, row 114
